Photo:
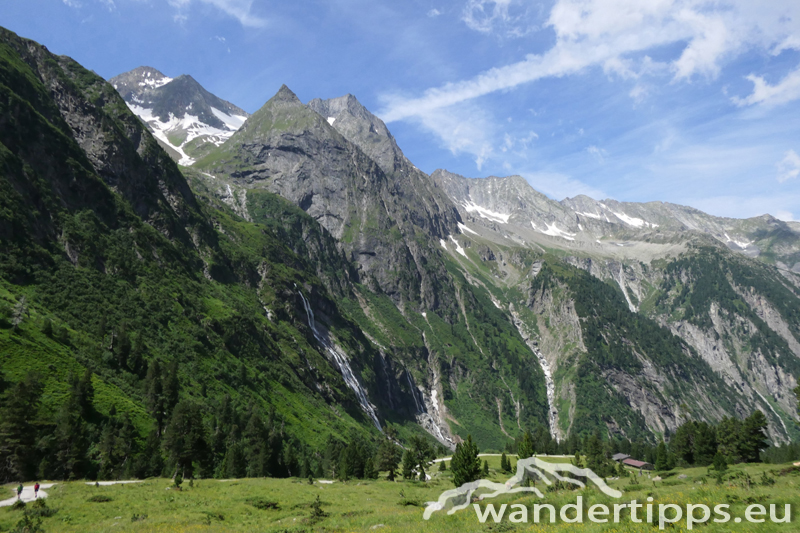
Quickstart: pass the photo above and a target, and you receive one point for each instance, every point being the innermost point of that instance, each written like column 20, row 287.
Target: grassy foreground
column 247, row 504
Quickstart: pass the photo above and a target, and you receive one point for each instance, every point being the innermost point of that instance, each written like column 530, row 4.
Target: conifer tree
column 662, row 458
column 526, row 449
column 754, row 437
column 465, row 465
column 184, row 438
column 388, row 458
column 19, row 404
column 408, row 465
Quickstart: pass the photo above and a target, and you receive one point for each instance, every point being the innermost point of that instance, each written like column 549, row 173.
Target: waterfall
column 548, row 376
column 413, row 392
column 342, row 363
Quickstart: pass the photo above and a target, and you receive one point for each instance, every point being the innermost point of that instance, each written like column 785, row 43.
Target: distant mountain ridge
column 512, row 205
column 185, row 118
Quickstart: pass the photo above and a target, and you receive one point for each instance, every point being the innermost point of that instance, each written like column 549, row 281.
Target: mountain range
column 297, row 262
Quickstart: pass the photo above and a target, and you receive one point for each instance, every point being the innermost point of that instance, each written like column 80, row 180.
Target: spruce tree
column 754, row 437
column 154, row 395
column 19, row 404
column 729, row 432
column 662, row 458
column 184, row 438
column 388, row 458
column 408, row 465
column 526, row 447
column 485, row 471
column 465, row 465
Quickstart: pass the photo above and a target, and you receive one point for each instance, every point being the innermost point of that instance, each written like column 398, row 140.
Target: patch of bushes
column 262, row 504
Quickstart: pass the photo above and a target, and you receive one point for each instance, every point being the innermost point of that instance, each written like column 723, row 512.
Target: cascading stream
column 548, row 377
column 343, row 363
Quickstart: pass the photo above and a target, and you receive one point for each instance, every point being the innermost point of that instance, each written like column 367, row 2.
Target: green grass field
column 247, row 504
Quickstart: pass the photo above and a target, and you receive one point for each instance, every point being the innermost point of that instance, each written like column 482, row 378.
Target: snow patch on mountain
column 554, row 231
column 740, row 244
column 331, row 120
column 233, row 122
column 633, row 221
column 494, row 216
column 459, row 249
column 465, row 229
column 188, row 128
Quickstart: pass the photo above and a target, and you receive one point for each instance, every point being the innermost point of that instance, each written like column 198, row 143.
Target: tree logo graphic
column 528, row 470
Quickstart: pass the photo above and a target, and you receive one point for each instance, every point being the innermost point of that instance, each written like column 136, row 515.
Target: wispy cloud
column 467, row 130
column 598, row 153
column 784, row 91
column 789, row 166
column 433, row 13
column 617, row 36
column 511, row 18
column 241, row 10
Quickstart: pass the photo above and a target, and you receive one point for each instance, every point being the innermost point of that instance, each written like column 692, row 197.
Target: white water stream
column 343, row 363
column 548, row 376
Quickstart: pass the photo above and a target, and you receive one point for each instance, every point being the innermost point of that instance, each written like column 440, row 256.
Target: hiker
column 36, row 490
column 19, row 491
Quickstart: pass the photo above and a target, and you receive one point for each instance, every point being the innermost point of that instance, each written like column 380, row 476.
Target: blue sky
column 689, row 101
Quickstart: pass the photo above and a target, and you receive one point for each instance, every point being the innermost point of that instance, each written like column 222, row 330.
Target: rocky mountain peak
column 138, row 81
column 359, row 126
column 285, row 94
column 184, row 117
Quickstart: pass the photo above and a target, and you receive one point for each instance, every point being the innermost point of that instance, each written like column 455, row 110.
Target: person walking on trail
column 19, row 491
column 36, row 490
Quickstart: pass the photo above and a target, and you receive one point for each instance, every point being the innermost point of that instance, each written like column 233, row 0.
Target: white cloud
column 238, row 9
column 789, row 166
column 786, row 216
column 711, row 40
column 466, row 129
column 786, row 90
column 511, row 18
column 482, row 15
column 433, row 13
column 616, row 35
column 72, row 3
column 598, row 153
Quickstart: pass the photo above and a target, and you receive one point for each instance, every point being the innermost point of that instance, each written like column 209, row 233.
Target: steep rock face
column 114, row 144
column 586, row 331
column 424, row 205
column 751, row 345
column 293, row 151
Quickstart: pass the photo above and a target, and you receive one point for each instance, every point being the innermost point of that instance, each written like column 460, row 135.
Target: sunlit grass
column 236, row 505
